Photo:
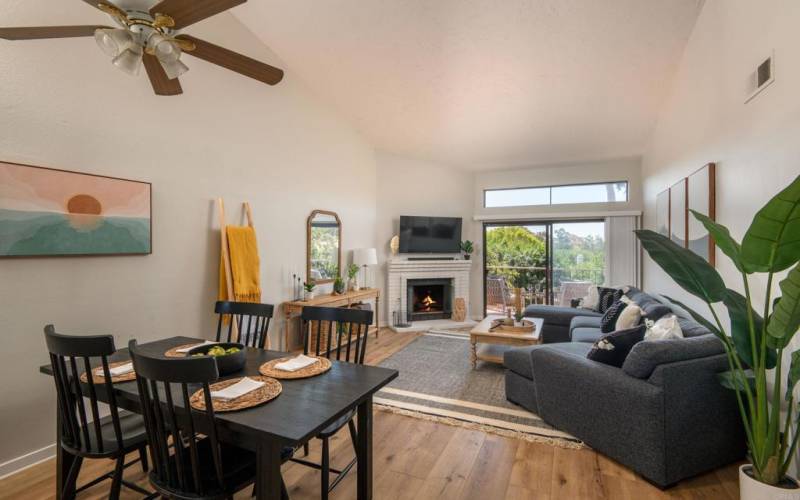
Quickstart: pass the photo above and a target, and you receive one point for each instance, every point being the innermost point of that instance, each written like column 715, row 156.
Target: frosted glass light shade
column 174, row 69
column 113, row 41
column 130, row 61
column 163, row 48
column 167, row 51
column 365, row 256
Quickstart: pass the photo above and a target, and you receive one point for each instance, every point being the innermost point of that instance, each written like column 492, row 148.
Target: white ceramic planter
column 309, row 295
column 750, row 489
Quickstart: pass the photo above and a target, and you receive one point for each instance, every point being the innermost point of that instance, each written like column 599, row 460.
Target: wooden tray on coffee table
column 495, row 342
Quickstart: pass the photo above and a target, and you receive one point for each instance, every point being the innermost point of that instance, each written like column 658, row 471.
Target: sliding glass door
column 541, row 262
column 579, row 257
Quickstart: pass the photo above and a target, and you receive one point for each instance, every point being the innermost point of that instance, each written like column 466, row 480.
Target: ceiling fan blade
column 162, row 85
column 234, row 61
column 41, row 32
column 187, row 12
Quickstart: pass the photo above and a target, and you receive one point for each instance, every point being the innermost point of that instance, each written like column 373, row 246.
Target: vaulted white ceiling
column 485, row 83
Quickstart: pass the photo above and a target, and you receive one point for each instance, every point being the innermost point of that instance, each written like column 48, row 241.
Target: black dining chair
column 346, row 341
column 83, row 433
column 189, row 461
column 251, row 319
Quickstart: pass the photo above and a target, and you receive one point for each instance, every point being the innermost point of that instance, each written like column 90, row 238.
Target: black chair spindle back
column 70, row 356
column 251, row 319
column 347, row 332
column 173, row 425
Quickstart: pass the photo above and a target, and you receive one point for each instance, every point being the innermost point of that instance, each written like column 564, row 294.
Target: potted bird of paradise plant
column 756, row 343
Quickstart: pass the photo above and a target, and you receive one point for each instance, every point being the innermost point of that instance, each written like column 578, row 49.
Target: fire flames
column 428, row 303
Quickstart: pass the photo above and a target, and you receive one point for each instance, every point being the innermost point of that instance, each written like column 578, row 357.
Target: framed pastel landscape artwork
column 48, row 212
column 701, row 197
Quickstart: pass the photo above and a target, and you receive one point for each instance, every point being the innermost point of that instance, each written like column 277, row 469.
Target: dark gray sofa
column 557, row 320
column 663, row 414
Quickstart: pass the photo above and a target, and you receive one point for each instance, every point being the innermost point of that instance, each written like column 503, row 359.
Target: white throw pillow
column 629, row 317
column 591, row 300
column 663, row 329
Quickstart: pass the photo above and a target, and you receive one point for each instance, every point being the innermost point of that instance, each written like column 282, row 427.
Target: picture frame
column 678, row 212
column 662, row 213
column 701, row 197
column 48, row 212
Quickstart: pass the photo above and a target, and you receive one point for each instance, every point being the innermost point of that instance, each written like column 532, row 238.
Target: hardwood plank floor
column 421, row 460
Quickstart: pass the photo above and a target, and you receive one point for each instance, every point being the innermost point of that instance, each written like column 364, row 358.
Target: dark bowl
column 227, row 364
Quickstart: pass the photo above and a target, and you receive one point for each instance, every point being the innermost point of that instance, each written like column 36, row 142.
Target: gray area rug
column 437, row 382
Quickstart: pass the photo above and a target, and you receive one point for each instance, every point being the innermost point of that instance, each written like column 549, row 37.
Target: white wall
column 414, row 187
column 63, row 105
column 623, row 169
column 754, row 145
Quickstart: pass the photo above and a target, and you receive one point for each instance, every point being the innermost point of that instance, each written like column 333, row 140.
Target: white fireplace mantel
column 402, row 270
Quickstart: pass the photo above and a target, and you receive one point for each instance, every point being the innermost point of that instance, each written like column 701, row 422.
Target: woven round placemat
column 269, row 391
column 173, row 353
column 98, row 378
column 269, row 369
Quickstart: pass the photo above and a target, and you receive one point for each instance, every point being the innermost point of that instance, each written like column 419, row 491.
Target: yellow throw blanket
column 245, row 266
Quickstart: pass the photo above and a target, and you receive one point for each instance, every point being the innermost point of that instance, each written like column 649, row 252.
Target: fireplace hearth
column 430, row 299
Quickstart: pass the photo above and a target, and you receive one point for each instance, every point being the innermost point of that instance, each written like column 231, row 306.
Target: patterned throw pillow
column 607, row 297
column 609, row 320
column 612, row 349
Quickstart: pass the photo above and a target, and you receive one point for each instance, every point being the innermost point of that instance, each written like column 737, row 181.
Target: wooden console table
column 293, row 309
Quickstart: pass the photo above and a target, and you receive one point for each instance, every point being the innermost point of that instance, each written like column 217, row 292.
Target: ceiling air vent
column 761, row 78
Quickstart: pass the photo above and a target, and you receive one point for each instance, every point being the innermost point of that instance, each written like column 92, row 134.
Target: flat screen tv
column 430, row 234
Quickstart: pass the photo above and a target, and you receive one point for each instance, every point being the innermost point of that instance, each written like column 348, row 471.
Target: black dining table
column 298, row 414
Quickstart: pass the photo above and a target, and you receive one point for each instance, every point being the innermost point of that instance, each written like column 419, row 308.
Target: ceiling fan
column 149, row 34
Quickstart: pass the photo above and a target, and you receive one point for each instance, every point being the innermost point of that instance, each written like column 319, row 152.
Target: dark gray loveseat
column 663, row 414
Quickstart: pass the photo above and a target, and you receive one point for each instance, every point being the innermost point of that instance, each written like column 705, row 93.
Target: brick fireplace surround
column 401, row 270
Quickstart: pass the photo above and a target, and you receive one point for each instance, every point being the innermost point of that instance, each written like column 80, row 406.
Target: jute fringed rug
column 437, row 383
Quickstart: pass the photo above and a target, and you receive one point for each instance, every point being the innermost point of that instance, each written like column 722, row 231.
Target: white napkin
column 121, row 370
column 297, row 363
column 238, row 389
column 187, row 349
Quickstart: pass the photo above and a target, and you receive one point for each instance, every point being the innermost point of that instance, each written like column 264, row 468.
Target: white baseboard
column 28, row 460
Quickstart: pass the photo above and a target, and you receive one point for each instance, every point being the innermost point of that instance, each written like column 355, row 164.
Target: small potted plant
column 518, row 317
column 309, row 287
column 338, row 285
column 352, row 273
column 467, row 247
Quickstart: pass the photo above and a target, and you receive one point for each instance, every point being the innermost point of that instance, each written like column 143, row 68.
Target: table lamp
column 364, row 257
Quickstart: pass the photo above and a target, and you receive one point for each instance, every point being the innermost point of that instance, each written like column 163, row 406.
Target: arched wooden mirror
column 324, row 246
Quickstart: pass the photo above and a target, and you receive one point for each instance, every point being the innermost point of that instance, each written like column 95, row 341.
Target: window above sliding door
column 604, row 192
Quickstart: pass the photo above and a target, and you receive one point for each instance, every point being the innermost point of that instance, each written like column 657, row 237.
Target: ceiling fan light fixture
column 166, row 50
column 113, row 41
column 130, row 60
column 173, row 69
